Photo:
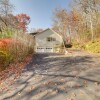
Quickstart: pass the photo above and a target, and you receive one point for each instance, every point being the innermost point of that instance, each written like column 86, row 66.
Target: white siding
column 41, row 39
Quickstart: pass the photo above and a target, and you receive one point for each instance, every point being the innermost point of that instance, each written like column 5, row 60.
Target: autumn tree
column 67, row 23
column 90, row 9
column 23, row 20
column 61, row 22
column 77, row 26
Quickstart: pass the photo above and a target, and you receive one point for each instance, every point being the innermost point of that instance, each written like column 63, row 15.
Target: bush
column 5, row 59
column 78, row 45
column 22, row 46
column 7, row 33
column 15, row 49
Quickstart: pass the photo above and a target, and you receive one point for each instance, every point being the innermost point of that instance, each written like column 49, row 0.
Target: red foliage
column 5, row 42
column 23, row 20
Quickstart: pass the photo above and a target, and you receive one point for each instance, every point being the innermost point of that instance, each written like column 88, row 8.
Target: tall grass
column 20, row 46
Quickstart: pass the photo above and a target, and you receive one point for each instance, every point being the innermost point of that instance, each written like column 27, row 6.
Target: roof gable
column 49, row 30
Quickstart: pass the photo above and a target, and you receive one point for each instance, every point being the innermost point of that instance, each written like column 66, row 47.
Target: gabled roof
column 47, row 30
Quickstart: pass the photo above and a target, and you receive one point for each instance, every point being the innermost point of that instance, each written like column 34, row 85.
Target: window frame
column 51, row 39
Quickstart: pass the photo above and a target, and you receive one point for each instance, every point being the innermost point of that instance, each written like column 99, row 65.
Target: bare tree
column 90, row 10
column 5, row 7
column 5, row 11
column 61, row 22
column 34, row 30
column 82, row 23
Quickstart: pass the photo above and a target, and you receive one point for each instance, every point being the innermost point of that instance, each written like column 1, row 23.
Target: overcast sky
column 40, row 11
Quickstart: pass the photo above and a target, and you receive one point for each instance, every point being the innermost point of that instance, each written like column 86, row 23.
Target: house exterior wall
column 41, row 39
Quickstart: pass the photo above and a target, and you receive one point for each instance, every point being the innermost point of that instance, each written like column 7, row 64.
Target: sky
column 40, row 11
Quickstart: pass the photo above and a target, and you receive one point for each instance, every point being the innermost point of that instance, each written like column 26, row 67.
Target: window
column 50, row 39
column 53, row 39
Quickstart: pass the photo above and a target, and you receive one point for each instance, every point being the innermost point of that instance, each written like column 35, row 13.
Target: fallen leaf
column 96, row 83
column 97, row 90
column 19, row 93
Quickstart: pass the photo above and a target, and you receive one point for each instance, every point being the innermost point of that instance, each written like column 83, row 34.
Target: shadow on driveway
column 54, row 76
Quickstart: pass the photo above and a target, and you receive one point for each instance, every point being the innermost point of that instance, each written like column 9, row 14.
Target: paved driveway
column 75, row 76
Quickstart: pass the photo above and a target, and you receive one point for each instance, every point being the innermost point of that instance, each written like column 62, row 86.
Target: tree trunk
column 91, row 28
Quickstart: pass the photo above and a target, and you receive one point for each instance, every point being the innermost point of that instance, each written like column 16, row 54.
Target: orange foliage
column 23, row 20
column 4, row 43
